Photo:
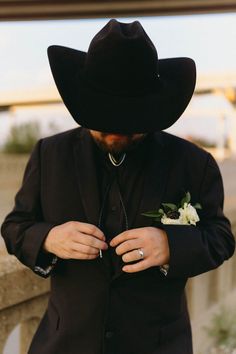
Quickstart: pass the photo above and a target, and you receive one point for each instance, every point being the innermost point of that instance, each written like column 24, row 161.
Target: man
column 117, row 276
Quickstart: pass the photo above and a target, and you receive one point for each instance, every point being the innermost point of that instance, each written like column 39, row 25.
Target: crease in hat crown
column 118, row 57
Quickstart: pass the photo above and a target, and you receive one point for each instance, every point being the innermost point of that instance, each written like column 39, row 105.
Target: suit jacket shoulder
column 62, row 139
column 183, row 146
column 188, row 154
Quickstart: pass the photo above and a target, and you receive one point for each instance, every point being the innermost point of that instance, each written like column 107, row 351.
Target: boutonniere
column 181, row 214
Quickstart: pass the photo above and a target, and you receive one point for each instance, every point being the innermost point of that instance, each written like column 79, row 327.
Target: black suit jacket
column 60, row 185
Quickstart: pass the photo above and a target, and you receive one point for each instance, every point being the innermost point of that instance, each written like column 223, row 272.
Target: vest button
column 109, row 334
column 114, row 208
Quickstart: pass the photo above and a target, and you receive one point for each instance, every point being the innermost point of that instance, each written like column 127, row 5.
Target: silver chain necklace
column 114, row 161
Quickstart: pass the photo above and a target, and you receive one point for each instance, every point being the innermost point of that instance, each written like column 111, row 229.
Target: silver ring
column 141, row 253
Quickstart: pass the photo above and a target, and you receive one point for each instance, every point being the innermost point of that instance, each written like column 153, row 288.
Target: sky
column 208, row 39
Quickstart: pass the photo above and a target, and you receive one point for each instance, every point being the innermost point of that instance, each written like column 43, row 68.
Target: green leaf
column 151, row 214
column 170, row 206
column 186, row 199
column 154, row 213
column 197, row 206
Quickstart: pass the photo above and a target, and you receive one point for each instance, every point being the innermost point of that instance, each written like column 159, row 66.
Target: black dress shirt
column 120, row 190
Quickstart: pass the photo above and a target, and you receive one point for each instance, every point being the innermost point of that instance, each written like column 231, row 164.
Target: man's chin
column 117, row 143
column 114, row 148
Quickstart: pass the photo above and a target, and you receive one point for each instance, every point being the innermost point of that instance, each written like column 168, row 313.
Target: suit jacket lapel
column 154, row 182
column 87, row 176
column 88, row 185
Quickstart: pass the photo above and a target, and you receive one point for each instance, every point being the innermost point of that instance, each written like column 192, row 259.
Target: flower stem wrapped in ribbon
column 182, row 214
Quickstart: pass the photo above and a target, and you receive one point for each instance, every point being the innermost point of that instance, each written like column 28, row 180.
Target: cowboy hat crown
column 120, row 85
column 118, row 58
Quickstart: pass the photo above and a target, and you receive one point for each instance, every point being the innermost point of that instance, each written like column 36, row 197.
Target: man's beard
column 118, row 146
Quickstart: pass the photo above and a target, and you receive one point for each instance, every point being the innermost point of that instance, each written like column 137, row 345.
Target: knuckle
column 68, row 237
column 98, row 244
column 66, row 255
column 72, row 224
column 95, row 251
column 71, row 248
column 78, row 255
column 118, row 251
column 127, row 233
column 129, row 244
column 90, row 249
column 68, row 248
column 92, row 229
column 92, row 242
column 74, row 234
column 126, row 257
column 82, row 238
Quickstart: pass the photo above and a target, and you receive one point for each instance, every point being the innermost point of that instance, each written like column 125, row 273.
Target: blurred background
column 30, row 108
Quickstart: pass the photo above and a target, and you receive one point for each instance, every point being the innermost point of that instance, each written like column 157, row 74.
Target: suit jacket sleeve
column 24, row 229
column 198, row 249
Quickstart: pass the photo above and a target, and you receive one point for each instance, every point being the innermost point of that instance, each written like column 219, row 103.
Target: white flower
column 169, row 221
column 169, row 214
column 188, row 214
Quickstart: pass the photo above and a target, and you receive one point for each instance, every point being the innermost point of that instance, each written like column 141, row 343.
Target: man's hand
column 152, row 241
column 75, row 240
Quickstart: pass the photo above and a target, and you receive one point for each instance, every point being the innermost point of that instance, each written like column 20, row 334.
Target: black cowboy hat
column 120, row 85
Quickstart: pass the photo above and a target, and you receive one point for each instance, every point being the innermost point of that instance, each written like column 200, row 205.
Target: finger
column 126, row 235
column 128, row 245
column 76, row 255
column 89, row 229
column 131, row 256
column 79, row 255
column 137, row 267
column 79, row 247
column 91, row 241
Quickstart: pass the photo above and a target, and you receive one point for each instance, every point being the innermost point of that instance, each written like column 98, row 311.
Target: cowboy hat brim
column 99, row 109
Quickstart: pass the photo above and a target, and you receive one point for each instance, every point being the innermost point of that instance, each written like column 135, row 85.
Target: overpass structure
column 56, row 9
column 224, row 84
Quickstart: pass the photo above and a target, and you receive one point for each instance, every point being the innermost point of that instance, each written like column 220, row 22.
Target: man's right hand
column 77, row 240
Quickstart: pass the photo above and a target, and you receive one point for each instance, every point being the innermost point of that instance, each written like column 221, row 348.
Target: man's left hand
column 153, row 242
